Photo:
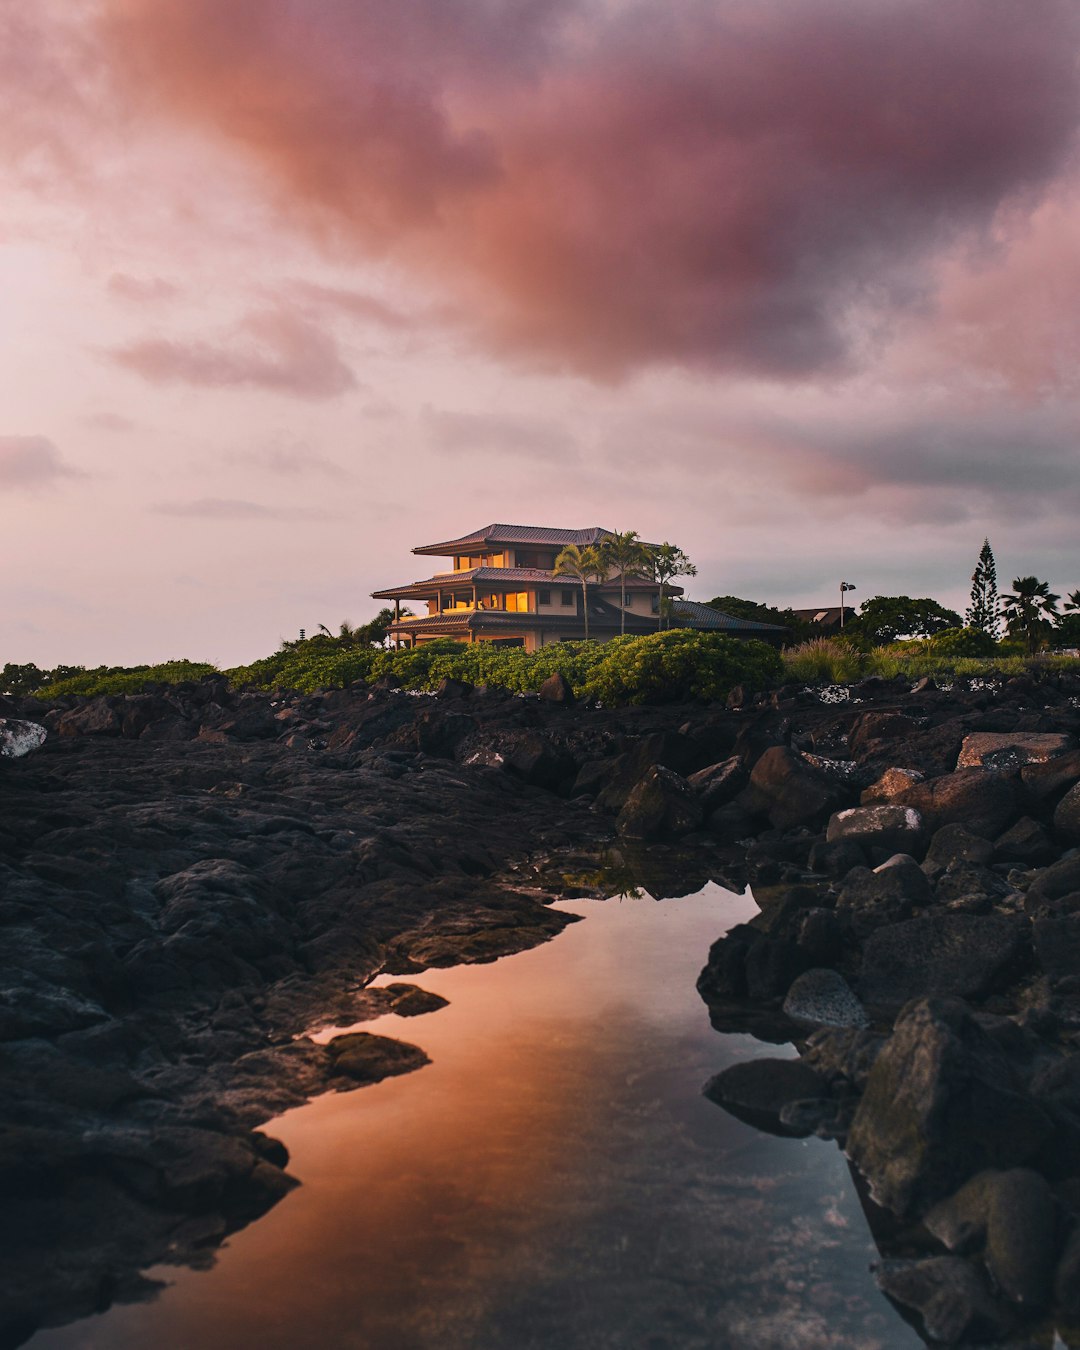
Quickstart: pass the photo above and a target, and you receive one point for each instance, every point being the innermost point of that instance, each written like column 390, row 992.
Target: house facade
column 501, row 588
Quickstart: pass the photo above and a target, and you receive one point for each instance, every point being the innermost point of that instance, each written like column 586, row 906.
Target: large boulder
column 1026, row 843
column 757, row 1090
column 890, row 785
column 966, row 955
column 717, row 784
column 1053, row 883
column 955, row 843
column 887, row 895
column 99, row 717
column 985, row 801
column 1010, row 1217
column 747, row 963
column 1067, row 816
column 877, row 725
column 823, row 998
column 881, row 830
column 952, row 1298
column 366, row 1058
column 18, row 738
column 791, row 791
column 1057, row 945
column 557, row 689
column 942, row 1102
column 1010, row 749
column 1043, row 780
column 663, row 804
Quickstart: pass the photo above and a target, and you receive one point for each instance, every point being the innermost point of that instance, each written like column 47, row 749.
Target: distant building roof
column 693, row 614
column 828, row 616
column 516, row 534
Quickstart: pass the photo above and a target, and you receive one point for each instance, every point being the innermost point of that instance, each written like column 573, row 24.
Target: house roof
column 515, row 534
column 692, row 614
column 532, row 576
column 824, row 614
column 602, row 617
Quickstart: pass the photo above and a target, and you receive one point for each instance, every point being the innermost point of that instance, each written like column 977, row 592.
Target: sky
column 290, row 287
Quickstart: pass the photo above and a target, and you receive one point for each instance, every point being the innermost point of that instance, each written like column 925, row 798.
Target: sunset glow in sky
column 290, row 286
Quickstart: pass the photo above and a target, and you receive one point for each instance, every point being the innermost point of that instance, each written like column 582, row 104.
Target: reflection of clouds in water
column 553, row 1179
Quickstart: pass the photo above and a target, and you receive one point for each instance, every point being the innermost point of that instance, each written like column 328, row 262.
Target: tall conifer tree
column 984, row 612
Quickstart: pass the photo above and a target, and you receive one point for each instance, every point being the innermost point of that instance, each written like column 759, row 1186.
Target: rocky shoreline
column 193, row 878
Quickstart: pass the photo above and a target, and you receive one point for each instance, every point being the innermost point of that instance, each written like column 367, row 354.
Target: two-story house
column 501, row 588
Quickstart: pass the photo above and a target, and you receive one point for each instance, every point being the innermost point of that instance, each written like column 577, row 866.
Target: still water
column 553, row 1180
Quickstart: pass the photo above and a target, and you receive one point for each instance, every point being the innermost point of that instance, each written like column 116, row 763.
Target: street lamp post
column 844, row 586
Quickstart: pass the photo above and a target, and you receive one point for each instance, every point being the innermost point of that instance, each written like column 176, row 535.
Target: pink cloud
column 141, row 290
column 272, row 350
column 727, row 185
column 31, row 462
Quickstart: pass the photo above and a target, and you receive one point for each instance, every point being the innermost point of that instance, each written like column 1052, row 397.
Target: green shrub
column 126, row 680
column 825, row 660
column 680, row 664
column 962, row 642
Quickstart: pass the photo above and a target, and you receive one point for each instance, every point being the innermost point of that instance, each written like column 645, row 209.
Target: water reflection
column 553, row 1179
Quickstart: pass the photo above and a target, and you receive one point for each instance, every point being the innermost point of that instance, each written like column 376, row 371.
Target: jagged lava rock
column 887, row 895
column 556, row 689
column 878, row 724
column 942, row 1102
column 1011, row 749
column 1067, row 816
column 954, row 843
column 1042, row 781
column 1026, row 843
column 886, row 828
column 953, row 1299
column 662, row 804
column 986, row 801
column 966, row 955
column 717, row 784
column 367, row 1058
column 1010, row 1216
column 890, row 785
column 791, row 791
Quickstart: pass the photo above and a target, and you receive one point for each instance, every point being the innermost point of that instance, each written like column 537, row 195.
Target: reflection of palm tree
column 627, row 553
column 584, row 565
column 1031, row 610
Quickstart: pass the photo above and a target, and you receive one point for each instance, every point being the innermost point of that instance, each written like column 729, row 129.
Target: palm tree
column 629, row 555
column 1030, row 611
column 1072, row 601
column 583, row 564
column 667, row 561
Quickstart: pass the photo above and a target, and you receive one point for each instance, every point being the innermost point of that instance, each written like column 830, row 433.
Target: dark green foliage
column 885, row 618
column 681, row 664
column 963, row 642
column 984, row 613
column 125, row 680
column 22, row 680
column 1030, row 612
column 799, row 630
